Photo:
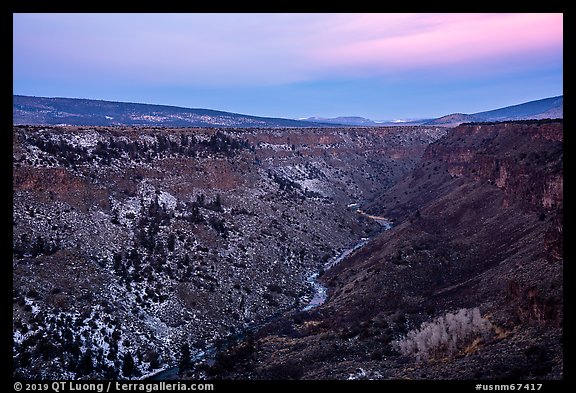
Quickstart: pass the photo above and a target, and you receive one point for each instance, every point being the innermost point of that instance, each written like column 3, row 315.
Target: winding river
column 320, row 291
column 318, row 298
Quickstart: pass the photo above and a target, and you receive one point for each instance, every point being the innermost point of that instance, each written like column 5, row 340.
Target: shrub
column 446, row 335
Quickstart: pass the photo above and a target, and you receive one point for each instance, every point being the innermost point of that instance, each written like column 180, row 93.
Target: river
column 320, row 291
column 318, row 298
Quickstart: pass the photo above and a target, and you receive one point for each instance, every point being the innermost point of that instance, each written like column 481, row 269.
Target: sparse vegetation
column 445, row 336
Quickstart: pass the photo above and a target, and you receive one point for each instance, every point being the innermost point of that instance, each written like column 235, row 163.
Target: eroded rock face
column 478, row 225
column 524, row 160
column 132, row 242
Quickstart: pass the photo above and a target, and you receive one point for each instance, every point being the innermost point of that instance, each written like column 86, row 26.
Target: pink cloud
column 275, row 49
column 417, row 41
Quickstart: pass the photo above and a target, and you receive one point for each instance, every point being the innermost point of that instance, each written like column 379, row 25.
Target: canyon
column 143, row 249
column 466, row 285
column 133, row 246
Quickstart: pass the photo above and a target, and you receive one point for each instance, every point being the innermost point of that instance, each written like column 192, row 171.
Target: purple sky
column 380, row 66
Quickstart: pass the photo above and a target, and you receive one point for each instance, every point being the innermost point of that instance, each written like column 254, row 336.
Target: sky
column 379, row 66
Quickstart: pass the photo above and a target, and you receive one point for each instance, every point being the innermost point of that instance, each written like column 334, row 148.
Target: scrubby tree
column 128, row 365
column 39, row 246
column 85, row 366
column 171, row 242
column 445, row 335
column 184, row 363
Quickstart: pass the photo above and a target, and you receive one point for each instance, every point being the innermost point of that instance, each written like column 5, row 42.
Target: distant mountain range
column 552, row 108
column 364, row 122
column 346, row 120
column 74, row 111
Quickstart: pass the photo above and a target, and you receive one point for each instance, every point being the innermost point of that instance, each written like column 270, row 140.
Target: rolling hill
column 548, row 108
column 84, row 112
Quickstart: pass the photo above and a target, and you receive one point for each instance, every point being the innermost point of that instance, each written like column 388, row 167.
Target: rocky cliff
column 468, row 284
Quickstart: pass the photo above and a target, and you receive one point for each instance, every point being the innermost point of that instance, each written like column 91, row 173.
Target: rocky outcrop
column 510, row 156
column 523, row 159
